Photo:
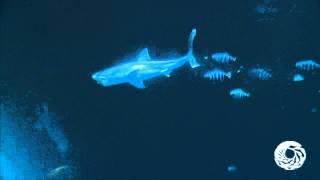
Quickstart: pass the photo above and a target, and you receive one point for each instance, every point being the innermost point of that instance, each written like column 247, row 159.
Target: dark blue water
column 184, row 127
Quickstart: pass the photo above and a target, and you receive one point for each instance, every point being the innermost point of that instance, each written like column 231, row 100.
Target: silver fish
column 223, row 57
column 307, row 65
column 217, row 74
column 239, row 93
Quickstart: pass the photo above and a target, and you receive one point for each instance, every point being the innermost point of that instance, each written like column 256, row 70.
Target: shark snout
column 98, row 77
column 94, row 76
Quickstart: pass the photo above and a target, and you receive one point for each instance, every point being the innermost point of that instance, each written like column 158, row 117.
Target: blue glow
column 239, row 93
column 307, row 65
column 144, row 68
column 18, row 153
column 217, row 74
column 263, row 9
column 24, row 152
column 7, row 170
column 232, row 168
column 298, row 77
column 260, row 73
column 223, row 57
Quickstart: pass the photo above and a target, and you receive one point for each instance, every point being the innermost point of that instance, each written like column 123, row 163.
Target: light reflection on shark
column 144, row 68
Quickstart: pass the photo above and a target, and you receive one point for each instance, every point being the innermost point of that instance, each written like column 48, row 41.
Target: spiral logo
column 293, row 162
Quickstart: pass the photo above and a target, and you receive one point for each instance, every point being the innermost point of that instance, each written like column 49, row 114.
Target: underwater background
column 182, row 127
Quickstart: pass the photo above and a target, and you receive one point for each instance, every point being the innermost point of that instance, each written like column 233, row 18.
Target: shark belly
column 152, row 70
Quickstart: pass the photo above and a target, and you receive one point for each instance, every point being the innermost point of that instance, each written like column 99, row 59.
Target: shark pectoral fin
column 137, row 83
column 166, row 72
column 143, row 55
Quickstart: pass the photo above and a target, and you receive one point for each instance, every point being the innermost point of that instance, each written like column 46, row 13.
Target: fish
column 217, row 74
column 240, row 69
column 307, row 65
column 239, row 93
column 297, row 78
column 63, row 172
column 143, row 67
column 223, row 57
column 260, row 73
column 58, row 170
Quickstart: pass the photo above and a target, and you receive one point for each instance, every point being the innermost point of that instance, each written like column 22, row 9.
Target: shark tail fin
column 191, row 58
column 229, row 74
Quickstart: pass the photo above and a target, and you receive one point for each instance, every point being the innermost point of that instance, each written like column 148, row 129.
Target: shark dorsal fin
column 143, row 55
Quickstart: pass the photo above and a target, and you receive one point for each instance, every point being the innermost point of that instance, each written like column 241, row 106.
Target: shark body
column 142, row 68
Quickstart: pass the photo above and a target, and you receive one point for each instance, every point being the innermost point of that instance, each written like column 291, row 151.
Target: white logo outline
column 290, row 163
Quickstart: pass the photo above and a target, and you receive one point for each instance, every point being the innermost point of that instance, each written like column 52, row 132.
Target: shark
column 142, row 67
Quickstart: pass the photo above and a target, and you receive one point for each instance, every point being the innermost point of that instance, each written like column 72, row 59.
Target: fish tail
column 229, row 74
column 191, row 58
